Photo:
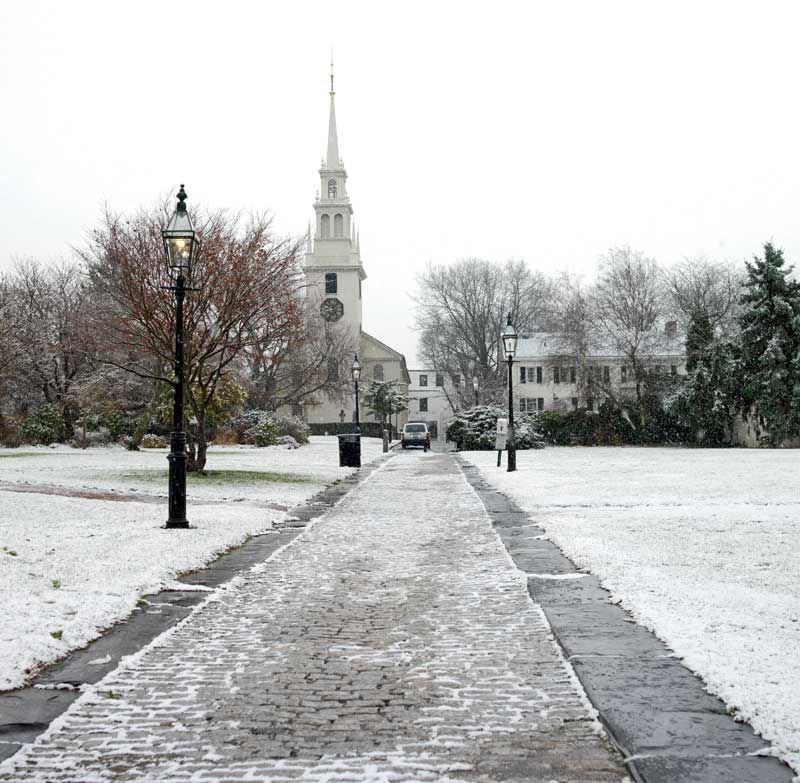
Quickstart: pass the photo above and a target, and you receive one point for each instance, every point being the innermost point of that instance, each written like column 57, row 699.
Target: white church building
column 335, row 277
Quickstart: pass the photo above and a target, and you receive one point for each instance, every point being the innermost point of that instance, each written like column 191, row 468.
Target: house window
column 522, row 375
column 297, row 410
column 423, row 380
column 623, row 374
column 573, row 374
column 574, row 403
column 377, row 372
column 338, row 226
column 673, row 368
column 456, row 380
column 523, row 404
column 538, row 375
column 540, row 403
column 556, row 375
column 423, row 404
column 606, row 375
column 589, row 404
column 330, row 283
column 325, row 226
column 439, row 379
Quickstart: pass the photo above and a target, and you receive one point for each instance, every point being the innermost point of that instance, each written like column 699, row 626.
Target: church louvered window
column 330, row 283
column 331, row 188
column 338, row 226
column 325, row 226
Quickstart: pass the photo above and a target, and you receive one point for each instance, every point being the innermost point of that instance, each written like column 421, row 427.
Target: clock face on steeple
column 331, row 309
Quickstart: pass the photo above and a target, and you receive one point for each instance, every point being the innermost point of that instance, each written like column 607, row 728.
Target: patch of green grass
column 219, row 477
column 56, row 583
column 56, row 634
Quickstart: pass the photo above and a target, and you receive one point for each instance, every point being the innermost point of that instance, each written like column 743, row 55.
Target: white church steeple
column 333, row 261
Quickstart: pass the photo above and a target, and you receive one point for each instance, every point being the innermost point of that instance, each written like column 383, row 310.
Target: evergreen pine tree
column 770, row 345
column 705, row 403
column 699, row 337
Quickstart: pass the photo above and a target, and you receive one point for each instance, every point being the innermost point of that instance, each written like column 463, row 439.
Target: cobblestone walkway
column 393, row 641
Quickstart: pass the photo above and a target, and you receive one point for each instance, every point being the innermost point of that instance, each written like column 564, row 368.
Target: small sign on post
column 500, row 438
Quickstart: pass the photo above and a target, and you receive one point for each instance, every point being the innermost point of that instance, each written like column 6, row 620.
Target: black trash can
column 350, row 451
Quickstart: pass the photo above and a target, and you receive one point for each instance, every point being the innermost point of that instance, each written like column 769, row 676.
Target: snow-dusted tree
column 51, row 342
column 383, row 398
column 769, row 368
column 704, row 289
column 461, row 311
column 627, row 304
column 705, row 403
column 244, row 287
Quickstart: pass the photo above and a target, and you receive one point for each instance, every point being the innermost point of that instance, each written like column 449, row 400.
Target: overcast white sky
column 543, row 131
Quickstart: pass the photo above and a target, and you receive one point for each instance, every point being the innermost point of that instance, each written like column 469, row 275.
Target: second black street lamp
column 182, row 246
column 510, row 348
column 356, row 370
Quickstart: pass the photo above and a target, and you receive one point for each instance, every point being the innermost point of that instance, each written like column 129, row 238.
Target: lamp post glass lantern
column 510, row 348
column 181, row 246
column 356, row 370
column 475, row 387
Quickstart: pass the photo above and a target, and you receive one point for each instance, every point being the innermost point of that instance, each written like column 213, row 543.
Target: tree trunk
column 197, row 446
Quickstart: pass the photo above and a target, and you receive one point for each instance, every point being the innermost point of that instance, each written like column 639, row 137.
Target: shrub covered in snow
column 151, row 441
column 256, row 427
column 474, row 429
column 288, row 441
column 265, row 428
column 294, row 427
column 44, row 426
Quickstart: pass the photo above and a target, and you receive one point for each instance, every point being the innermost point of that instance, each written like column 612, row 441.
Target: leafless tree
column 700, row 287
column 627, row 305
column 245, row 284
column 461, row 310
column 310, row 363
column 51, row 343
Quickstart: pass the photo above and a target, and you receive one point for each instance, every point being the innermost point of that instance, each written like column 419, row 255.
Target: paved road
column 393, row 641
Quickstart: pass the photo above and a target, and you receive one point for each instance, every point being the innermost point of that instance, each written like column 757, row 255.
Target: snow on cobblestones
column 392, row 641
column 702, row 546
column 70, row 566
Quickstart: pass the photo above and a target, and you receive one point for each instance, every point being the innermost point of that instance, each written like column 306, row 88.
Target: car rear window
column 415, row 428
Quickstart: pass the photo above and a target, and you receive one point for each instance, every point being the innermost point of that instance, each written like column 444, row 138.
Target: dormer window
column 331, row 188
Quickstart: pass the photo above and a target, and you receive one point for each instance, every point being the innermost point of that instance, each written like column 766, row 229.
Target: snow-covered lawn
column 71, row 566
column 702, row 546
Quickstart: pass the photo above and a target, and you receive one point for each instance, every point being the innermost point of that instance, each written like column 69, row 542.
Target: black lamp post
column 356, row 370
column 510, row 347
column 182, row 246
column 475, row 386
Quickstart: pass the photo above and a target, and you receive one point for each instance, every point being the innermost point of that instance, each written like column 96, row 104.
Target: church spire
column 333, row 141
